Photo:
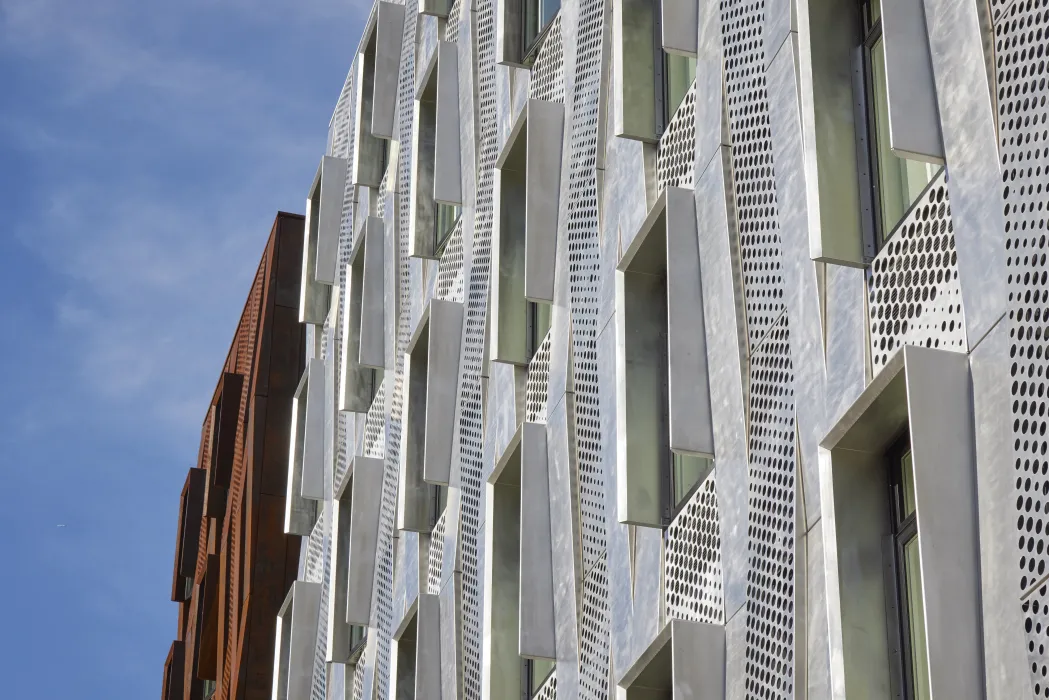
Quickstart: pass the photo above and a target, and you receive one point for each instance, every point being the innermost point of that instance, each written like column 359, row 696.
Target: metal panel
column 305, row 611
column 509, row 34
column 679, row 21
column 447, row 181
column 966, row 102
column 939, row 403
column 389, row 29
column 633, row 64
column 357, row 385
column 442, row 374
column 373, row 318
column 324, row 215
column 313, row 437
column 698, row 655
column 367, row 150
column 536, row 638
column 691, row 428
column 914, row 119
column 820, row 54
column 545, row 129
column 366, row 500
column 428, row 648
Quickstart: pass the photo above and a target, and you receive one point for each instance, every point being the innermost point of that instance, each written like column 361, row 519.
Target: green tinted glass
column 907, row 482
column 679, row 74
column 916, row 617
column 540, row 669
column 900, row 180
column 447, row 216
column 688, row 472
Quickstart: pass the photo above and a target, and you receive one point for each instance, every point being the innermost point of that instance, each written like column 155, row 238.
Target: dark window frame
column 533, row 45
column 875, row 233
column 903, row 529
column 529, row 685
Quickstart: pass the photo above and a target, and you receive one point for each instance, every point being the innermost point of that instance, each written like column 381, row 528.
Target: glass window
column 679, row 72
column 687, row 472
column 538, row 14
column 911, row 609
column 447, row 216
column 536, row 671
column 538, row 325
column 438, row 502
column 358, row 634
column 898, row 182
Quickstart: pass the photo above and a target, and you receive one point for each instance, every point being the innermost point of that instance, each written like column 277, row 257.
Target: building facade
column 233, row 562
column 676, row 349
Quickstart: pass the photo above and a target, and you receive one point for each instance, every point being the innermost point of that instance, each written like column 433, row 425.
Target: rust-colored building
column 233, row 562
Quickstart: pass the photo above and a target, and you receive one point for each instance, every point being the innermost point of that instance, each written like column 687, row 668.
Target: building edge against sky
column 233, row 562
column 676, row 349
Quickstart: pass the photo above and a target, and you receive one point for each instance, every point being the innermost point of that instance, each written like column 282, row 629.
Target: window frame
column 876, row 235
column 529, row 686
column 531, row 48
column 903, row 530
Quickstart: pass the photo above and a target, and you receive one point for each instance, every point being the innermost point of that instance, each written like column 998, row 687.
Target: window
column 533, row 675
column 438, row 502
column 446, row 219
column 679, row 72
column 686, row 474
column 538, row 14
column 895, row 182
column 208, row 690
column 538, row 325
column 907, row 574
column 358, row 637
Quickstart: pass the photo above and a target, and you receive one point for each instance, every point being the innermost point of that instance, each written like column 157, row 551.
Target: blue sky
column 144, row 150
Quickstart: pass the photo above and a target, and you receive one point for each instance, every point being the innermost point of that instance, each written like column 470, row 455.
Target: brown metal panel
column 228, row 409
column 196, row 481
column 289, row 259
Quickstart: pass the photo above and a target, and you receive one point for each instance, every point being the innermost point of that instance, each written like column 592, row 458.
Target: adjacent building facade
column 234, row 564
column 675, row 349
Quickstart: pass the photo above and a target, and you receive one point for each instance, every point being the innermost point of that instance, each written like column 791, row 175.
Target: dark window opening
column 909, row 623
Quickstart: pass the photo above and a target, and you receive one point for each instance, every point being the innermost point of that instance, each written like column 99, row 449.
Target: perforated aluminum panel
column 436, row 554
column 676, row 157
column 548, row 72
column 549, row 689
column 580, row 200
column 913, row 291
column 593, row 636
column 375, row 426
column 1022, row 115
column 755, row 184
column 692, row 560
column 450, row 269
column 537, row 385
column 771, row 521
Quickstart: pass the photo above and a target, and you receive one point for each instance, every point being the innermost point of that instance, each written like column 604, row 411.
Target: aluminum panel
column 373, row 306
column 536, row 636
column 366, row 502
column 447, row 181
column 446, row 328
column 545, row 129
column 679, row 21
column 914, row 119
column 389, row 29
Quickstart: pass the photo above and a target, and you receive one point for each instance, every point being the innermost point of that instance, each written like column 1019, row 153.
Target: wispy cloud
column 152, row 144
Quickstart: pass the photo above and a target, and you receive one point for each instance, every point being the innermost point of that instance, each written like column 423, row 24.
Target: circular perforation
column 675, row 159
column 913, row 290
column 548, row 71
column 692, row 559
column 1024, row 140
